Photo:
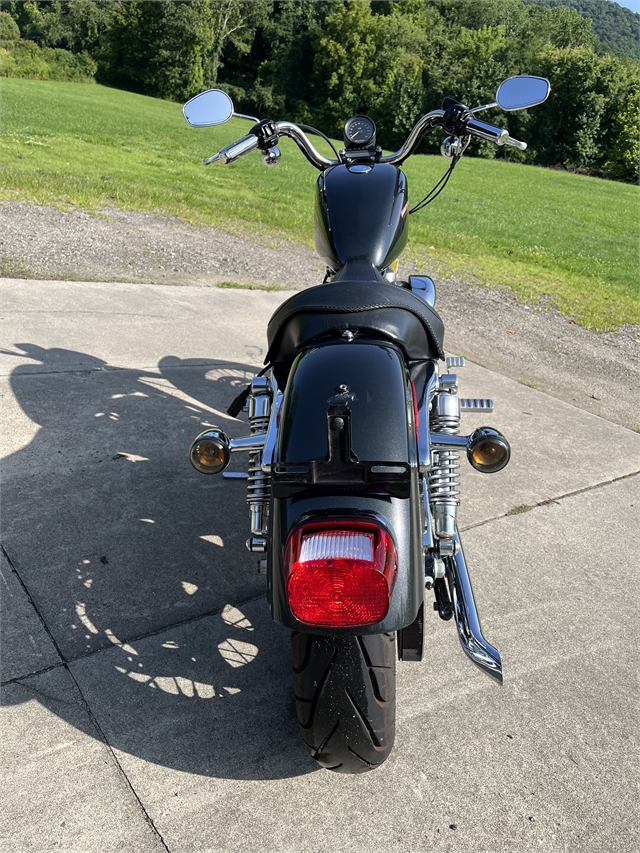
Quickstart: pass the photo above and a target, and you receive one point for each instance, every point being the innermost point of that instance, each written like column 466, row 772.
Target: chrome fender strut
column 482, row 653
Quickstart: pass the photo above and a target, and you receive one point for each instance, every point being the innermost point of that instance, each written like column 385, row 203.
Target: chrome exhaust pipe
column 482, row 653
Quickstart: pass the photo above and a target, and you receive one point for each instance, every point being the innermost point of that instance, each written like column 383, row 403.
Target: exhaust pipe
column 482, row 653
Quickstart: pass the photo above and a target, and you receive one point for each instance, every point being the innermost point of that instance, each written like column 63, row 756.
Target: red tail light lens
column 340, row 573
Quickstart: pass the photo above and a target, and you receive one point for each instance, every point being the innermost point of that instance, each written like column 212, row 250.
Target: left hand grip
column 238, row 149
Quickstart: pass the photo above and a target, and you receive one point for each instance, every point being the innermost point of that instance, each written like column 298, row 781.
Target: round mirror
column 518, row 93
column 208, row 108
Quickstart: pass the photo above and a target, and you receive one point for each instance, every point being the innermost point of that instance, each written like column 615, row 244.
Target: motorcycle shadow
column 137, row 566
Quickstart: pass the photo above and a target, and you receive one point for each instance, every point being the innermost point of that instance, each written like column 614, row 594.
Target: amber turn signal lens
column 210, row 452
column 488, row 450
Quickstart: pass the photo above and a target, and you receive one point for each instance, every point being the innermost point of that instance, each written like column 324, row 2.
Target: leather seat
column 373, row 308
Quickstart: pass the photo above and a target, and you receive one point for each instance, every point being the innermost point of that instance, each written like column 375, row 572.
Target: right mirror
column 518, row 93
column 208, row 108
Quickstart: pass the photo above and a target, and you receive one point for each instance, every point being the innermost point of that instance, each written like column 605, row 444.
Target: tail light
column 339, row 573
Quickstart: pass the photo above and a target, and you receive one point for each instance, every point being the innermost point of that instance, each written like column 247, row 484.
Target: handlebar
column 287, row 128
column 425, row 125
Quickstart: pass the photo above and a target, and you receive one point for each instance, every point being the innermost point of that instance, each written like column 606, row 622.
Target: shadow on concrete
column 137, row 565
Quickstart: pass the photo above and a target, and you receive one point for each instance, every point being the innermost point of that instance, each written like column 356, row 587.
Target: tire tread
column 344, row 689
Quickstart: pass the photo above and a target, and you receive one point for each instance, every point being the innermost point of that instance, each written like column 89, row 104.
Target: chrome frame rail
column 482, row 653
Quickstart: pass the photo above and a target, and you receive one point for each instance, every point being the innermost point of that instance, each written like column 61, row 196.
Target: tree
column 617, row 28
column 9, row 30
column 75, row 25
column 157, row 48
column 370, row 63
column 232, row 21
column 346, row 72
column 572, row 127
column 276, row 76
column 623, row 155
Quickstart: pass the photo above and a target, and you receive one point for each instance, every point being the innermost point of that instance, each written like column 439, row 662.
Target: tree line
column 616, row 27
column 320, row 62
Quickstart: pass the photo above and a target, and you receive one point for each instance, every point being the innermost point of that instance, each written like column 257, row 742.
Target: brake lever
column 210, row 160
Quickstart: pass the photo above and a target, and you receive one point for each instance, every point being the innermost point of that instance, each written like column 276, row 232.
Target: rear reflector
column 340, row 572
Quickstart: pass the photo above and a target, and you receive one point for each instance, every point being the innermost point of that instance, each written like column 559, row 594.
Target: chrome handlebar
column 287, row 128
column 425, row 125
column 434, row 119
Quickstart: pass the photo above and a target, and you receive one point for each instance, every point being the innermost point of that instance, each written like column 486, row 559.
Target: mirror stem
column 484, row 107
column 249, row 118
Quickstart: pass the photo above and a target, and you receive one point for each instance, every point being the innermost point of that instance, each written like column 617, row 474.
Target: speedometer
column 359, row 132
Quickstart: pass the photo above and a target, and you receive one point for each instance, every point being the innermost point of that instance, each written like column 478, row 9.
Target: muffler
column 482, row 653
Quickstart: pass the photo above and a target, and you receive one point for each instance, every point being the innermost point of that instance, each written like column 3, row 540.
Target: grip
column 486, row 131
column 515, row 143
column 239, row 148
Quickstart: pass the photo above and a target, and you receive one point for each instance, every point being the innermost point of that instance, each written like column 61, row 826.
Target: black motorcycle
column 354, row 445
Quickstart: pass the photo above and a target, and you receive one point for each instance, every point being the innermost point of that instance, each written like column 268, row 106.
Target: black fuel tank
column 361, row 213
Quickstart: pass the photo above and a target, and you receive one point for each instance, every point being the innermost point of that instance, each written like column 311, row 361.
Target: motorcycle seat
column 373, row 308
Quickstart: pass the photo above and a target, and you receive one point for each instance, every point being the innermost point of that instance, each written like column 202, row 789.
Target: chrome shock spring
column 259, row 483
column 444, row 476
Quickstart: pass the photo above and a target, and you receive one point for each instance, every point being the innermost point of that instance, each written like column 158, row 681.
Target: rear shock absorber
column 444, row 476
column 259, row 483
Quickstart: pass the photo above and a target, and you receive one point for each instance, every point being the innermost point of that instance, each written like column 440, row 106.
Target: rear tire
column 345, row 690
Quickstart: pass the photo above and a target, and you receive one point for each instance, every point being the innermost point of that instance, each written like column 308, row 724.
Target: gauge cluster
column 359, row 132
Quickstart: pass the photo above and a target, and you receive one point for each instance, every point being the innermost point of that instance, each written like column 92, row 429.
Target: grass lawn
column 569, row 239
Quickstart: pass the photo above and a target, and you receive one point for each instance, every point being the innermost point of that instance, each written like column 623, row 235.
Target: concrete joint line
column 522, row 510
column 128, row 640
column 35, row 609
column 87, row 708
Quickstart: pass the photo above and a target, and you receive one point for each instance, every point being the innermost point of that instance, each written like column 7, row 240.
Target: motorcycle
column 354, row 445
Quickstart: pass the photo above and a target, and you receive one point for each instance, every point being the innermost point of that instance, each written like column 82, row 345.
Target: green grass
column 518, row 510
column 569, row 240
column 235, row 285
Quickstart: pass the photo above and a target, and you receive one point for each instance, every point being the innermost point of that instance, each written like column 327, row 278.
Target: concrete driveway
column 147, row 698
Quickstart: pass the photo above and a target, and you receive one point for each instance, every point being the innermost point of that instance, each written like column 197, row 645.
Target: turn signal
column 210, row 452
column 340, row 572
column 488, row 450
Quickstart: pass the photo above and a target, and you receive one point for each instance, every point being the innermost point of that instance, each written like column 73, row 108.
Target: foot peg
column 455, row 361
column 474, row 404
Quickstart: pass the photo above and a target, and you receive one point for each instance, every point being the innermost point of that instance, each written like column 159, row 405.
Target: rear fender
column 370, row 378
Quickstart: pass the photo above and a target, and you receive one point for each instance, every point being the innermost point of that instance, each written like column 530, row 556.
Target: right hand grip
column 487, row 131
column 242, row 146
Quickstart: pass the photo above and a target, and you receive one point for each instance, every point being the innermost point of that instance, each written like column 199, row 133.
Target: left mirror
column 208, row 108
column 520, row 92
